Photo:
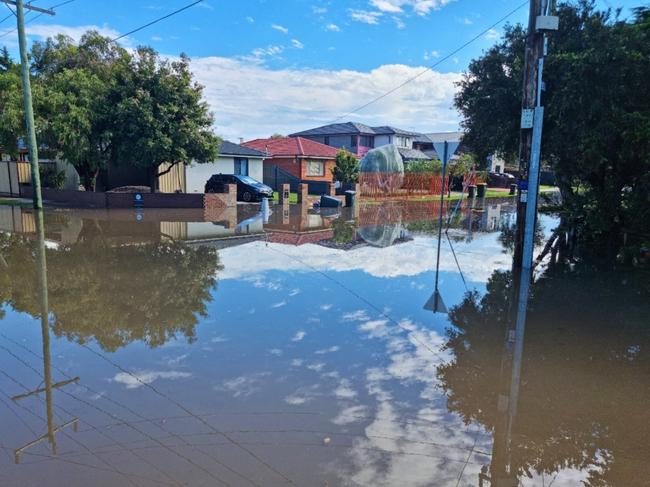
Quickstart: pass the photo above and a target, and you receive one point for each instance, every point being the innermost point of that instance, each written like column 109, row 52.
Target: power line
column 156, row 21
column 33, row 18
column 434, row 65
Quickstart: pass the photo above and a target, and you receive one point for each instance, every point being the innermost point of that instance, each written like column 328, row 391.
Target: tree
column 159, row 116
column 74, row 83
column 597, row 115
column 347, row 167
column 12, row 121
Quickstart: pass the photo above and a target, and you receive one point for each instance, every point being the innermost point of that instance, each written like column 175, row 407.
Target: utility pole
column 540, row 21
column 27, row 96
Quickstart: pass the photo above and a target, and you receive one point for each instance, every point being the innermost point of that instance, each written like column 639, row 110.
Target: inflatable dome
column 382, row 171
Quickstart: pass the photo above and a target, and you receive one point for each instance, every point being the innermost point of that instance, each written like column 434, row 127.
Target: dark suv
column 248, row 189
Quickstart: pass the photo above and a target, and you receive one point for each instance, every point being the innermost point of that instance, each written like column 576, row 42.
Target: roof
column 230, row 149
column 337, row 129
column 414, row 155
column 437, row 137
column 292, row 146
column 388, row 130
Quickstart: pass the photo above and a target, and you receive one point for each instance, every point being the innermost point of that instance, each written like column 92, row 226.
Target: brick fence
column 90, row 199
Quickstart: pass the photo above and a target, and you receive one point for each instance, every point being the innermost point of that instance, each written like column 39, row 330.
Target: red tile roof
column 292, row 146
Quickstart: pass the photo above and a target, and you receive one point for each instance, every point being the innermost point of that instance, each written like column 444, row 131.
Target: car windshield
column 247, row 180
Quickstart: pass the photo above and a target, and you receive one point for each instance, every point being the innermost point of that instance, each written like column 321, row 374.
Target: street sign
column 451, row 149
column 138, row 200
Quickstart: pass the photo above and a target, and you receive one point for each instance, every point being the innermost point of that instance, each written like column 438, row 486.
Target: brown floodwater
column 297, row 347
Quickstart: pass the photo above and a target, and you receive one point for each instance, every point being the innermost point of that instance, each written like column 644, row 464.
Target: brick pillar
column 232, row 195
column 304, row 215
column 331, row 189
column 286, row 213
column 303, row 192
column 285, row 191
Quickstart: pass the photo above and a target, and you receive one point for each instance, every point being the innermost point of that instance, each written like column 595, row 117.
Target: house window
column 353, row 141
column 326, row 140
column 241, row 166
column 367, row 141
column 315, row 168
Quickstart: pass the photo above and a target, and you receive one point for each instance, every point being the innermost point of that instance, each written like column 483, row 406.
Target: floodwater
column 290, row 347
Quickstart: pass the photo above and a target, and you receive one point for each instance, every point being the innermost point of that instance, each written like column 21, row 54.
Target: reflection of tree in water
column 509, row 233
column 584, row 397
column 115, row 294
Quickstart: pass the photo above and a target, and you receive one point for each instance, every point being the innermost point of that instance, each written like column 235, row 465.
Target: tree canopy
column 98, row 104
column 597, row 114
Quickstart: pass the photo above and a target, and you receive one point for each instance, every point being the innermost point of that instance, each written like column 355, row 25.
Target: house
column 358, row 138
column 302, row 158
column 233, row 159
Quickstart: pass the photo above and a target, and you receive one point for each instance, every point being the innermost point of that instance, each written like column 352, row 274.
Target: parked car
column 500, row 179
column 248, row 189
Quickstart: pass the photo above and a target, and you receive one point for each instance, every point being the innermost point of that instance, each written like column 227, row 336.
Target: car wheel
column 247, row 196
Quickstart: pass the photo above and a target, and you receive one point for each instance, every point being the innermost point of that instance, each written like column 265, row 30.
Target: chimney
column 241, row 140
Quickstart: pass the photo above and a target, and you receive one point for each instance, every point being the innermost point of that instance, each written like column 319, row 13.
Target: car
column 500, row 179
column 248, row 189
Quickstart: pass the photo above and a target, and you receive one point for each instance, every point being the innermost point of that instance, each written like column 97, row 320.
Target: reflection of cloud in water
column 138, row 379
column 430, row 448
column 478, row 259
column 243, row 386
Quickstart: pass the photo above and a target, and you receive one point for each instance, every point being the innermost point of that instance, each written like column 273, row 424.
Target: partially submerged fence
column 386, row 185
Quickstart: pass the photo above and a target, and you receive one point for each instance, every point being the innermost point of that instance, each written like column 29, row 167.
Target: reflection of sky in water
column 320, row 361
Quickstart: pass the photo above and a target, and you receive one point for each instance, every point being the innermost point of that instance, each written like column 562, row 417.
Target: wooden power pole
column 27, row 96
column 540, row 21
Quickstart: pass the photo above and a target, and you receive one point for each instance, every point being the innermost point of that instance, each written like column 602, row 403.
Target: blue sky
column 283, row 65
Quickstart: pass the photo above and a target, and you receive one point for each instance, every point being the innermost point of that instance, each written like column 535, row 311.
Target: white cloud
column 392, row 6
column 281, row 28
column 251, row 100
column 319, row 10
column 250, row 20
column 325, row 307
column 492, row 34
column 420, row 7
column 431, row 55
column 279, row 305
column 140, row 378
column 156, row 38
column 259, row 53
column 297, row 44
column 43, row 31
column 399, row 23
column 467, row 21
column 358, row 315
column 299, row 336
column 365, row 16
column 333, row 28
column 331, row 349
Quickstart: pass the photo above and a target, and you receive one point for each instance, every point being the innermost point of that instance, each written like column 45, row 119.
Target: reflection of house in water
column 377, row 225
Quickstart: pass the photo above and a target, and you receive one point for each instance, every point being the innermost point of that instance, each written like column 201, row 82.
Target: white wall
column 198, row 174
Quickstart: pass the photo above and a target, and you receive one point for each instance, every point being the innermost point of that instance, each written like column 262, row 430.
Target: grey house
column 358, row 138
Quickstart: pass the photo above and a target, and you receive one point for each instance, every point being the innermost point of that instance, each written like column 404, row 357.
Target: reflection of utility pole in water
column 435, row 303
column 52, row 428
column 502, row 473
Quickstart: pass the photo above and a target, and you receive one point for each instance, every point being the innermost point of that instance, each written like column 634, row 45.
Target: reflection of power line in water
column 135, row 413
column 102, row 433
column 382, row 313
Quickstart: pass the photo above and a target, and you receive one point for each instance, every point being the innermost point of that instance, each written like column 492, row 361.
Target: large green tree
column 75, row 82
column 346, row 169
column 597, row 121
column 160, row 117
